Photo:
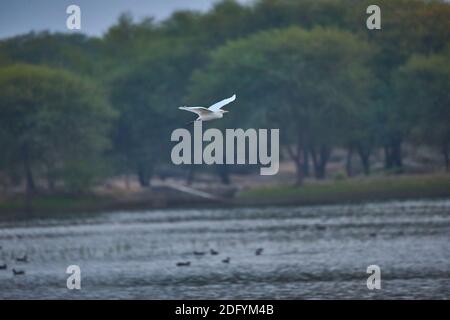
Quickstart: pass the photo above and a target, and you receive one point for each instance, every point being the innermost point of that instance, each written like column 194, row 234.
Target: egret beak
column 224, row 111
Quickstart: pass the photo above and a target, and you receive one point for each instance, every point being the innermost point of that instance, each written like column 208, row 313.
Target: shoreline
column 346, row 191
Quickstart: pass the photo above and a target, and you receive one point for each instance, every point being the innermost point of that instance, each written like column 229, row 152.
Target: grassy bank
column 53, row 204
column 312, row 192
column 351, row 190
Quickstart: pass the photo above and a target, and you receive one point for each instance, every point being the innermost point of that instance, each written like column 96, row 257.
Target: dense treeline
column 74, row 108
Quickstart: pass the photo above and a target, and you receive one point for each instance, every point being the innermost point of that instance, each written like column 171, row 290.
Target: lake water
column 317, row 252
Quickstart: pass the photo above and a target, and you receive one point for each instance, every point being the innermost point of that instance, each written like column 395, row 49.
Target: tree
column 422, row 87
column 146, row 95
column 75, row 52
column 49, row 120
column 408, row 27
column 303, row 82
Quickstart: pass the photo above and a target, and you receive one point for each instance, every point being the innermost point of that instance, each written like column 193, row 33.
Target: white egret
column 213, row 112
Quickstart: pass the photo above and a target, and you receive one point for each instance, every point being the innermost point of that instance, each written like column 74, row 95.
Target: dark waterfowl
column 22, row 259
column 18, row 272
column 227, row 260
column 213, row 252
column 199, row 253
column 183, row 264
column 3, row 266
column 259, row 251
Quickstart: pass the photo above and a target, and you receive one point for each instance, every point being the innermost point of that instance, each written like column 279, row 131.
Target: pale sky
column 22, row 16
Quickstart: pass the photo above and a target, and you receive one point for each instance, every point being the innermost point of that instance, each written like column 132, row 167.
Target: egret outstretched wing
column 215, row 107
column 198, row 110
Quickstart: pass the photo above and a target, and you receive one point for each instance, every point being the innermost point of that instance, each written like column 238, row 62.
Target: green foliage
column 146, row 96
column 423, row 86
column 75, row 52
column 79, row 174
column 50, row 117
column 338, row 176
column 318, row 77
column 351, row 190
column 308, row 67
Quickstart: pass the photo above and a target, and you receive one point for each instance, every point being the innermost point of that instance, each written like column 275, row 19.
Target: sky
column 22, row 16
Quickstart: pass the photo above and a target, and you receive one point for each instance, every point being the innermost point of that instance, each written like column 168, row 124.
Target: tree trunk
column 298, row 156
column 365, row 163
column 320, row 161
column 224, row 174
column 397, row 155
column 364, row 155
column 50, row 178
column 324, row 156
column 30, row 186
column 190, row 175
column 299, row 176
column 387, row 157
column 314, row 160
column 393, row 155
column 127, row 181
column 50, row 183
column 348, row 161
column 144, row 174
column 446, row 153
column 305, row 162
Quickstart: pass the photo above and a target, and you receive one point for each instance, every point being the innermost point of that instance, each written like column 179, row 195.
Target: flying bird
column 213, row 112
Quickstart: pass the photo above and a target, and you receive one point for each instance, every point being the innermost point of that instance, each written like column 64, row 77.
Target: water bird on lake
column 22, row 259
column 213, row 252
column 213, row 112
column 199, row 253
column 183, row 264
column 226, row 260
column 18, row 272
column 3, row 266
column 259, row 251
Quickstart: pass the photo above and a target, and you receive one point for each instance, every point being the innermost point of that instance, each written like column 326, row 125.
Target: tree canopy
column 71, row 105
column 52, row 121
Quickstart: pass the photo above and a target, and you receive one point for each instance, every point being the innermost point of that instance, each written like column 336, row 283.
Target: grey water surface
column 316, row 252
